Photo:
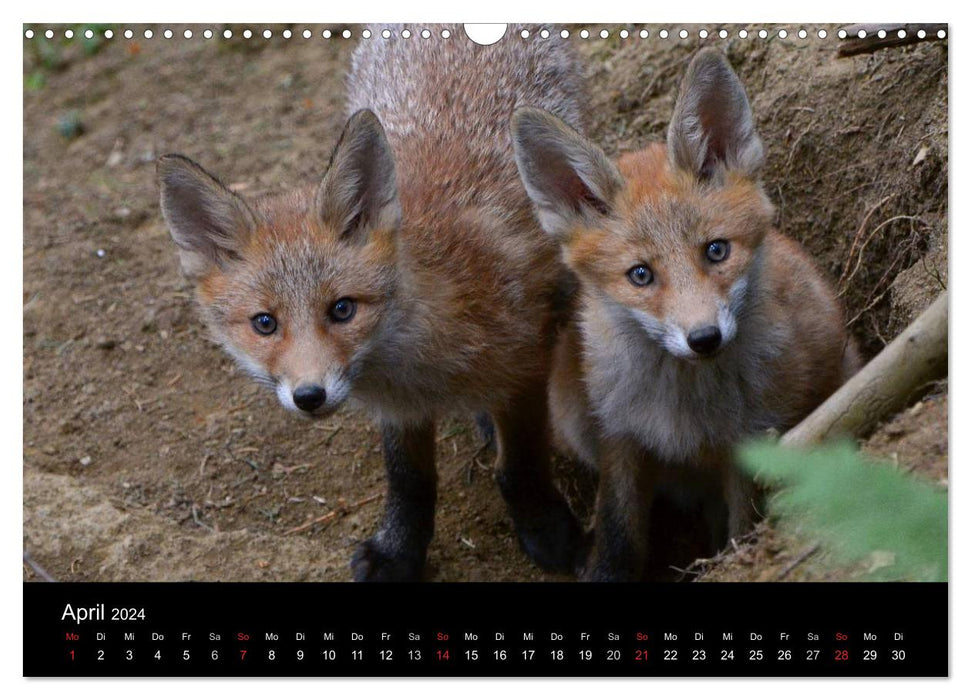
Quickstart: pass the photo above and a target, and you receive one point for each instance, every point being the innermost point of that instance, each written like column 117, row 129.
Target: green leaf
column 35, row 81
column 857, row 508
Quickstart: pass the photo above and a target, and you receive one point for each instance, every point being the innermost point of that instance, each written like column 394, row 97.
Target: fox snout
column 705, row 334
column 706, row 340
column 705, row 337
column 312, row 399
column 698, row 341
column 309, row 397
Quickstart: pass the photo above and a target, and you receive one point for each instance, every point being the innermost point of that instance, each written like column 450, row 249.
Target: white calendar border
column 608, row 11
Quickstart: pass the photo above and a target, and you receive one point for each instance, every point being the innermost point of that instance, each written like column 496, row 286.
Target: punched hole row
column 445, row 34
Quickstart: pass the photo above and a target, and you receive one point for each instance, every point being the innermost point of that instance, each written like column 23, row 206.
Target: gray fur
column 420, row 86
column 679, row 409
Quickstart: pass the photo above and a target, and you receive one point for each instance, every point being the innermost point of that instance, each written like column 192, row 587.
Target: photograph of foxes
column 394, row 306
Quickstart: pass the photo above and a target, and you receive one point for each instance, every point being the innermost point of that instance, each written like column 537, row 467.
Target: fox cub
column 413, row 278
column 698, row 323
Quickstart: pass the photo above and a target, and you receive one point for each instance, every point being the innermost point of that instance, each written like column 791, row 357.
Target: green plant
column 35, row 80
column 856, row 508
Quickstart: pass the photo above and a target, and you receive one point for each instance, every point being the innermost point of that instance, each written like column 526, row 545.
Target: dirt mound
column 147, row 456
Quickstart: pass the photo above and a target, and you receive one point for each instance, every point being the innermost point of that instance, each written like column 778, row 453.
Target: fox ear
column 569, row 178
column 712, row 128
column 208, row 222
column 359, row 192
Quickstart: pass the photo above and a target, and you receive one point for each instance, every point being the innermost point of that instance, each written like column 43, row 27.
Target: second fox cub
column 699, row 322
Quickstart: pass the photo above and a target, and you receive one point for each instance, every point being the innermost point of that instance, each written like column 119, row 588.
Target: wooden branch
column 915, row 358
column 338, row 512
column 38, row 569
column 853, row 45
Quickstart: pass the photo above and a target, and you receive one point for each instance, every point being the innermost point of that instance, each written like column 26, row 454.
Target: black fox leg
column 621, row 524
column 397, row 552
column 547, row 529
column 716, row 520
column 740, row 497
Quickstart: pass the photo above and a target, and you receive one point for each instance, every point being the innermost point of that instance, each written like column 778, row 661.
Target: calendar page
column 485, row 350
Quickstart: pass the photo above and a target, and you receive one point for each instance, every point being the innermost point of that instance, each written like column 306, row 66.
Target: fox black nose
column 309, row 397
column 705, row 341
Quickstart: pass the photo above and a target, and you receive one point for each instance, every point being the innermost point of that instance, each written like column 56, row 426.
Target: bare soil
column 148, row 456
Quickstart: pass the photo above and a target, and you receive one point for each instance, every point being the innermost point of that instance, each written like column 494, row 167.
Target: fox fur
column 634, row 392
column 412, row 279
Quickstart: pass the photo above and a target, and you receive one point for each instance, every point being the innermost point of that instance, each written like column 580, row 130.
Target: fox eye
column 264, row 324
column 640, row 275
column 717, row 250
column 343, row 310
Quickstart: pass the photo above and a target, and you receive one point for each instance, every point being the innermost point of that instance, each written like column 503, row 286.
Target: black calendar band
column 431, row 630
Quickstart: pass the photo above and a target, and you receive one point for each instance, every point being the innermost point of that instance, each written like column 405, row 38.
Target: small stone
column 86, row 461
column 100, row 252
column 69, row 125
column 117, row 154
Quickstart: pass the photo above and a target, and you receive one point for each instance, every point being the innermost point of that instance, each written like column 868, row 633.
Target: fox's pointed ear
column 208, row 221
column 570, row 179
column 359, row 193
column 712, row 129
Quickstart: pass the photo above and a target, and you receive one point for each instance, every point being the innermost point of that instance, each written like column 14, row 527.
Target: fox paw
column 552, row 537
column 596, row 571
column 371, row 562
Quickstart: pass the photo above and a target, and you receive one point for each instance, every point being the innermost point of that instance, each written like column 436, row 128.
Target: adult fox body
column 699, row 323
column 413, row 278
